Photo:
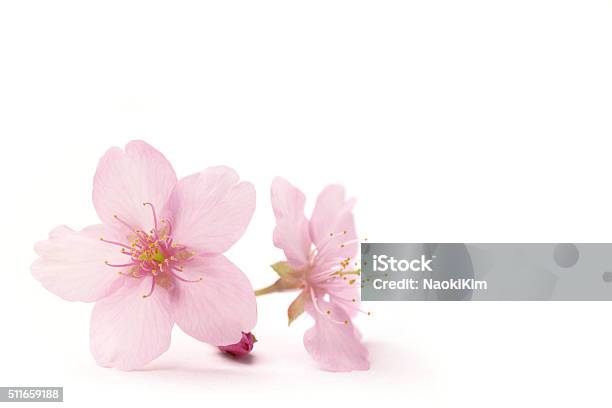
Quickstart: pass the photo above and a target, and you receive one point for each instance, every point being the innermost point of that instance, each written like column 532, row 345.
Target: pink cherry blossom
column 156, row 259
column 242, row 348
column 320, row 263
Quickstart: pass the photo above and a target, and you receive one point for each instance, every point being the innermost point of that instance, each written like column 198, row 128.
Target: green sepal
column 282, row 269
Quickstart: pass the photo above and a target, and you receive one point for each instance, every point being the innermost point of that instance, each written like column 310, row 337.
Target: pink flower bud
column 243, row 347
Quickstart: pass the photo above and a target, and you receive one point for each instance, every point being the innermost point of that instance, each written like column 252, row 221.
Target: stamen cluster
column 153, row 254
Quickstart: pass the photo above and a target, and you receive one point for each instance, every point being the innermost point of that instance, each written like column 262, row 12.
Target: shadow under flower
column 248, row 359
column 396, row 361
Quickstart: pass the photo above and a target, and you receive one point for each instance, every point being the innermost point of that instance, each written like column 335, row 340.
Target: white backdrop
column 450, row 121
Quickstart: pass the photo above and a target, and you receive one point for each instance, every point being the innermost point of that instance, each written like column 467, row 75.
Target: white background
column 450, row 121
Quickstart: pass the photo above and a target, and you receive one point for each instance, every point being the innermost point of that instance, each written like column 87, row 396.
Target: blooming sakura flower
column 320, row 254
column 243, row 347
column 156, row 259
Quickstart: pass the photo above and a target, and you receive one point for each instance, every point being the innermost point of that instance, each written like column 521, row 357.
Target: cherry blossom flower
column 320, row 264
column 156, row 258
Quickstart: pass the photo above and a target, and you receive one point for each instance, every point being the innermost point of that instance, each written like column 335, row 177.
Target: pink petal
column 219, row 308
column 127, row 330
column 291, row 232
column 71, row 263
column 344, row 293
column 332, row 229
column 335, row 346
column 211, row 210
column 126, row 180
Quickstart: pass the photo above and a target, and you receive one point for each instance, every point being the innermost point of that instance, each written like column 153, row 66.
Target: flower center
column 153, row 254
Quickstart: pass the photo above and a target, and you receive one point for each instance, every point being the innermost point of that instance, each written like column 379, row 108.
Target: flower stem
column 268, row 289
